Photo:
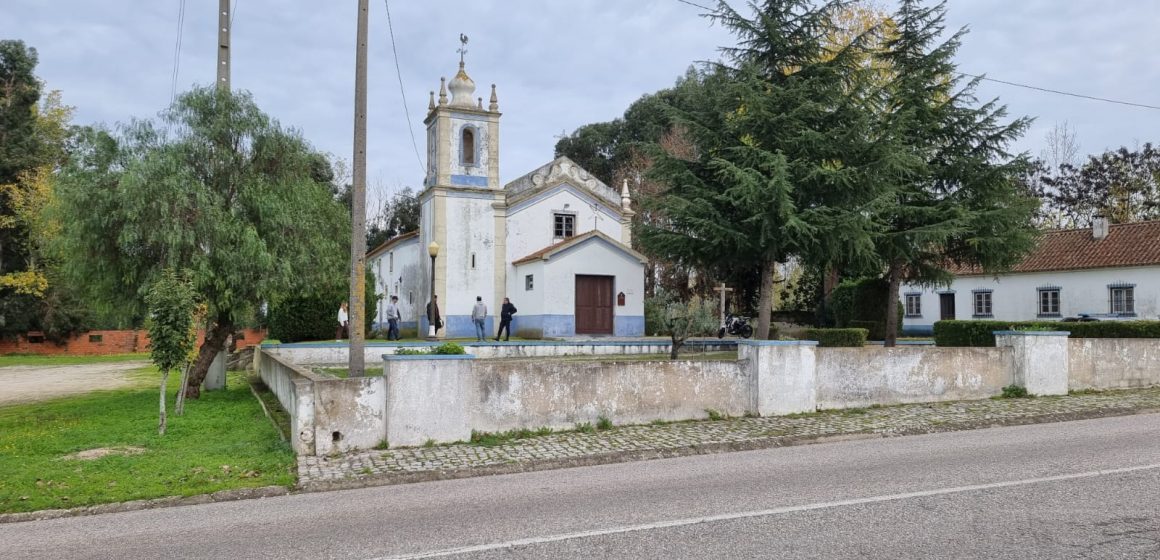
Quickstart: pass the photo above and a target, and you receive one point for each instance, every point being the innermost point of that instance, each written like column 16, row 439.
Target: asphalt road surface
column 1087, row 489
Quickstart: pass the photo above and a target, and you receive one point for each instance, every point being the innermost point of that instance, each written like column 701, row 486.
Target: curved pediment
column 558, row 171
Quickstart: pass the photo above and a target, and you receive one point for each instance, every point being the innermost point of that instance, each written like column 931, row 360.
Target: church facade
column 556, row 241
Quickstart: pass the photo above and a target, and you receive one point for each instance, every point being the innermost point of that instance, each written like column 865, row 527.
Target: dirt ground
column 35, row 383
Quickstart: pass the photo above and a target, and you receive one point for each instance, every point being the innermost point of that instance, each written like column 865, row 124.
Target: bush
column 862, row 304
column 876, row 330
column 981, row 333
column 315, row 317
column 1015, row 392
column 654, row 314
column 449, row 348
column 837, row 338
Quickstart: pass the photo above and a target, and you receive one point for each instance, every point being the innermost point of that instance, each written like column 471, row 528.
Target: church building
column 556, row 241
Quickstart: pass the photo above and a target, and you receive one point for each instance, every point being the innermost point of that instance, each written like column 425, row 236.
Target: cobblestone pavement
column 364, row 468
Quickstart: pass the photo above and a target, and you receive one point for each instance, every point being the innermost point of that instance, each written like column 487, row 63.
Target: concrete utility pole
column 223, row 66
column 358, row 210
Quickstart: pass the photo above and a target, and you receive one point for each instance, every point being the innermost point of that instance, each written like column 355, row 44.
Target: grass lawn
column 343, row 373
column 223, row 442
column 37, row 360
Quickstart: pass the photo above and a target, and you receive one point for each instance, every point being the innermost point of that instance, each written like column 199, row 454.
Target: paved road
column 1086, row 489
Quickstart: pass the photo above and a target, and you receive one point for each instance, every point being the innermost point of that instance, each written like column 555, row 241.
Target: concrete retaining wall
column 1113, row 363
column 859, row 377
column 339, row 352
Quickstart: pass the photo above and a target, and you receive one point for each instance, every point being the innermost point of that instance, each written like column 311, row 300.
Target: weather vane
column 462, row 47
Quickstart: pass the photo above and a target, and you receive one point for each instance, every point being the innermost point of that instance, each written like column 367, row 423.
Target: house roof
column 1134, row 244
column 384, row 246
column 548, row 252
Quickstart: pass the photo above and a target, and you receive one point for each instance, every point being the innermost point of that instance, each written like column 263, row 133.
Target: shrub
column 862, row 302
column 314, row 317
column 835, row 338
column 448, row 348
column 1015, row 392
column 981, row 333
column 875, row 330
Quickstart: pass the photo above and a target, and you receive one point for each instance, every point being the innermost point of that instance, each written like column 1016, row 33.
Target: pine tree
column 955, row 193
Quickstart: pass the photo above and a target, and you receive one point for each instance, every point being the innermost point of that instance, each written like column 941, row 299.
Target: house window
column 467, row 150
column 1123, row 299
column 528, row 283
column 1049, row 302
column 982, row 303
column 565, row 225
column 914, row 305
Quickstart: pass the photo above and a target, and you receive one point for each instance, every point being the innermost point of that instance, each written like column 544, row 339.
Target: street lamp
column 433, row 250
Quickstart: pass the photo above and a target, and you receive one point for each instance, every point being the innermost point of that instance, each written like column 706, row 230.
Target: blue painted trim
column 777, row 342
column 628, row 325
column 1032, row 333
column 406, row 357
column 469, row 181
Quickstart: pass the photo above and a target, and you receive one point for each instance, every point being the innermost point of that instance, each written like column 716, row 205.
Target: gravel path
column 365, row 468
column 20, row 384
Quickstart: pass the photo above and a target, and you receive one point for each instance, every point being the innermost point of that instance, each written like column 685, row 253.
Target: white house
column 556, row 241
column 1106, row 272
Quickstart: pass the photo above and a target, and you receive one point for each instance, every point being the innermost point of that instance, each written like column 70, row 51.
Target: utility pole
column 223, row 66
column 358, row 210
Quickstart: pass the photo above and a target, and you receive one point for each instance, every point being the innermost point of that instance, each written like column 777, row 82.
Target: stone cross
column 724, row 291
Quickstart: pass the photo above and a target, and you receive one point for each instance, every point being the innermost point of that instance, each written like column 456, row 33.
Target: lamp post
column 433, row 250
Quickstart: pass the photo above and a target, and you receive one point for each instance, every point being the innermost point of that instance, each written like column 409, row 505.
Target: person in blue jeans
column 393, row 317
column 479, row 316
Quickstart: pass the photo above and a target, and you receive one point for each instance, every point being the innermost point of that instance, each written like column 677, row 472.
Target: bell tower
column 462, row 204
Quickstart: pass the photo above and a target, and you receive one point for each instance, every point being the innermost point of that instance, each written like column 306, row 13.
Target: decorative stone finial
column 625, row 199
column 442, row 91
column 479, row 104
column 431, row 102
column 494, row 105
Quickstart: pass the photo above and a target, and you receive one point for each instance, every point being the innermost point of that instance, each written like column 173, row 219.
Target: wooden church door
column 594, row 304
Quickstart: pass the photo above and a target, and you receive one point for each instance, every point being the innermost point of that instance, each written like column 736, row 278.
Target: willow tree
column 955, row 196
column 216, row 188
column 774, row 151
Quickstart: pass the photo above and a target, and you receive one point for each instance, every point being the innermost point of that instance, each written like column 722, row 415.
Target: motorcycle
column 736, row 326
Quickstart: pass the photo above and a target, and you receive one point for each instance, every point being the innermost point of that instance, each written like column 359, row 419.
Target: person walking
column 505, row 319
column 341, row 332
column 479, row 316
column 393, row 318
column 433, row 317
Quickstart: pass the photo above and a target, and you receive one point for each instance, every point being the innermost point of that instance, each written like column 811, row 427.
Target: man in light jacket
column 478, row 316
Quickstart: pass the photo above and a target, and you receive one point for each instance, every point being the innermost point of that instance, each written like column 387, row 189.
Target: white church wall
column 528, row 321
column 596, row 258
column 469, row 175
column 470, row 232
column 531, row 225
column 1015, row 297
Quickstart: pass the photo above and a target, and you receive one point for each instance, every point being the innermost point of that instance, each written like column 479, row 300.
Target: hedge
column 315, row 317
column 836, row 338
column 981, row 333
column 862, row 304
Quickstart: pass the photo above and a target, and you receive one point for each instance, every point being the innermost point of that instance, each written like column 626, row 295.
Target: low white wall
column 860, row 377
column 294, row 387
column 1113, row 363
column 338, row 353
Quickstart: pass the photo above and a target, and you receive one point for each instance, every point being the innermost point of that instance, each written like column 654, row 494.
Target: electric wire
column 177, row 52
column 402, row 90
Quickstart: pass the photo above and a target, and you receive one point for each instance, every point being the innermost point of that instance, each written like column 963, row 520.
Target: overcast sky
column 557, row 64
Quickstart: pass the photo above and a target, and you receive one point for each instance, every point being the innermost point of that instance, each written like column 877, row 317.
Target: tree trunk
column 215, row 340
column 895, row 276
column 161, row 422
column 831, row 277
column 677, row 342
column 765, row 299
column 179, row 405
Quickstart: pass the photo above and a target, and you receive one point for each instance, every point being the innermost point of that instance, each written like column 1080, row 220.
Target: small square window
column 96, row 338
column 914, row 305
column 528, row 283
column 1123, row 301
column 983, row 304
column 565, row 226
column 1049, row 303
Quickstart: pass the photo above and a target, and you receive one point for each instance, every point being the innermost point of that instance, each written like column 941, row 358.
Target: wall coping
column 406, row 357
column 1032, row 333
column 424, row 344
column 778, row 342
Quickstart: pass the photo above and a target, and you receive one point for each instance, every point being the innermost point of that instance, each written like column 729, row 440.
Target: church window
column 391, row 262
column 467, row 150
column 473, row 261
column 528, row 281
column 410, row 298
column 565, row 225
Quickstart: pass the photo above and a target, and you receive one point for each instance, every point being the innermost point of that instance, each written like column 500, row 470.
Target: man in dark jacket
column 505, row 319
column 433, row 317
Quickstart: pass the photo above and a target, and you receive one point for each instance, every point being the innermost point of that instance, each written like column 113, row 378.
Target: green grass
column 489, row 439
column 343, row 373
column 222, row 442
column 37, row 360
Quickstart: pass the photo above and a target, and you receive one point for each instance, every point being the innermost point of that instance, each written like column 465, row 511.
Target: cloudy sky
column 557, row 64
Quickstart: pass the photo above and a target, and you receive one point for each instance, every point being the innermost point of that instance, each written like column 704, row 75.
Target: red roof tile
column 1135, row 244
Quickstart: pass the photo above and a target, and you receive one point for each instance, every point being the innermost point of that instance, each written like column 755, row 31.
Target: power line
column 233, row 12
column 402, row 90
column 177, row 52
column 695, row 5
column 1058, row 92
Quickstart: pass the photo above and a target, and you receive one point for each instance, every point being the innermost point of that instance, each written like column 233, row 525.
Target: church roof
column 560, row 170
column 548, row 252
column 382, row 248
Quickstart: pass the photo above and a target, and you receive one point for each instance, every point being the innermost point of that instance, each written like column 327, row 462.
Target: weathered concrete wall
column 507, row 394
column 426, row 399
column 339, row 352
column 1039, row 358
column 1113, row 363
column 859, row 377
column 294, row 387
column 782, row 374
